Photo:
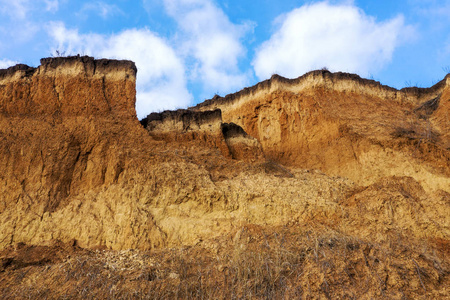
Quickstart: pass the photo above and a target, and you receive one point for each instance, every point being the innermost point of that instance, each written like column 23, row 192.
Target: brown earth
column 325, row 186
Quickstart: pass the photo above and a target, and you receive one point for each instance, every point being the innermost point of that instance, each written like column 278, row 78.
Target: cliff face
column 78, row 165
column 204, row 127
column 67, row 130
column 347, row 126
column 54, row 88
column 337, row 161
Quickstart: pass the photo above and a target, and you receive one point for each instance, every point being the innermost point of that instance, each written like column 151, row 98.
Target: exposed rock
column 53, row 89
column 185, row 125
column 68, row 128
column 183, row 120
column 339, row 82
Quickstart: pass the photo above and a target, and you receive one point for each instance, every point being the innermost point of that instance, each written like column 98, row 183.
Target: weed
column 59, row 53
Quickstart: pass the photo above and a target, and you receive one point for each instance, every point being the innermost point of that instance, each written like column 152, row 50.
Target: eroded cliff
column 347, row 126
column 68, row 130
column 339, row 184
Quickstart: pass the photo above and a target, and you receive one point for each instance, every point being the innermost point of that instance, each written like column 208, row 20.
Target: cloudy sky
column 188, row 50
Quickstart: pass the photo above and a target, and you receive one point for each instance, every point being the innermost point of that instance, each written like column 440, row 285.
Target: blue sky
column 188, row 50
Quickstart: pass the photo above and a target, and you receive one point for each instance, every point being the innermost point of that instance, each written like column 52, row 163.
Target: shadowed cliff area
column 325, row 186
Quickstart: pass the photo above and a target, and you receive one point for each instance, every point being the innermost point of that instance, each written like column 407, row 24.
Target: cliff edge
column 54, row 88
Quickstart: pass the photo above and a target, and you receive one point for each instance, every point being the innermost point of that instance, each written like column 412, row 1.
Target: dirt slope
column 326, row 186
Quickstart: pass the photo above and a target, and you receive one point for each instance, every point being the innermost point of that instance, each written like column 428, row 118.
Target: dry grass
column 415, row 132
column 282, row 263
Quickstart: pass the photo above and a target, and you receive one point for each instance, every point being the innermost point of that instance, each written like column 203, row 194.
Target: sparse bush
column 59, row 53
column 446, row 69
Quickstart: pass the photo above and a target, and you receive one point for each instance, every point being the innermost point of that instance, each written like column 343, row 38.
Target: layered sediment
column 205, row 127
column 324, row 153
column 347, row 126
column 67, row 129
column 55, row 88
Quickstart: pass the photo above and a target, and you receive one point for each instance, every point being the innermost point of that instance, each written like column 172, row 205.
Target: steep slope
column 347, row 126
column 67, row 129
column 328, row 185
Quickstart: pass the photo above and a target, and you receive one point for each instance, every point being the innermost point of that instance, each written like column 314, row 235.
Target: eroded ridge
column 339, row 82
column 347, row 126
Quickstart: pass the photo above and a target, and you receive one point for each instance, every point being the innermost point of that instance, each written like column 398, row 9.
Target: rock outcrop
column 68, row 129
column 185, row 125
column 204, row 127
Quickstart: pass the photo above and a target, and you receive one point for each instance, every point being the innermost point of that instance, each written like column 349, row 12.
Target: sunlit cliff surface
column 324, row 186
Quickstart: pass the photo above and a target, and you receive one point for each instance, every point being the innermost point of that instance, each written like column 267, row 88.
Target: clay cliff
column 328, row 185
column 347, row 126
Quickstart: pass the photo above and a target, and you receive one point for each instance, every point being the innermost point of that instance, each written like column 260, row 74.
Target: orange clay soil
column 325, row 186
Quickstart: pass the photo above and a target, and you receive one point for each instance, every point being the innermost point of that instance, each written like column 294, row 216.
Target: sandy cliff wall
column 205, row 127
column 347, row 126
column 184, row 120
column 54, row 88
column 67, row 129
column 338, row 82
column 78, row 166
column 440, row 114
column 82, row 168
column 182, row 125
column 344, row 181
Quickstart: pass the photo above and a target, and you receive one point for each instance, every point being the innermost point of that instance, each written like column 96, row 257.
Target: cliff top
column 323, row 78
column 91, row 66
column 75, row 85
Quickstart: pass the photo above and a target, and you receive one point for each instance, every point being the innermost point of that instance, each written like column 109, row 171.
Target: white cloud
column 20, row 9
column 211, row 41
column 339, row 37
column 161, row 81
column 70, row 41
column 6, row 63
column 101, row 8
column 16, row 9
column 51, row 5
column 432, row 8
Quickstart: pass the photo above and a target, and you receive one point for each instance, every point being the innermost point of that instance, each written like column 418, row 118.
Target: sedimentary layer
column 347, row 126
column 78, row 85
column 79, row 167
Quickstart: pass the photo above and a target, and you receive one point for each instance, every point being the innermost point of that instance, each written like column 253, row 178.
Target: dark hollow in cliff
column 231, row 130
